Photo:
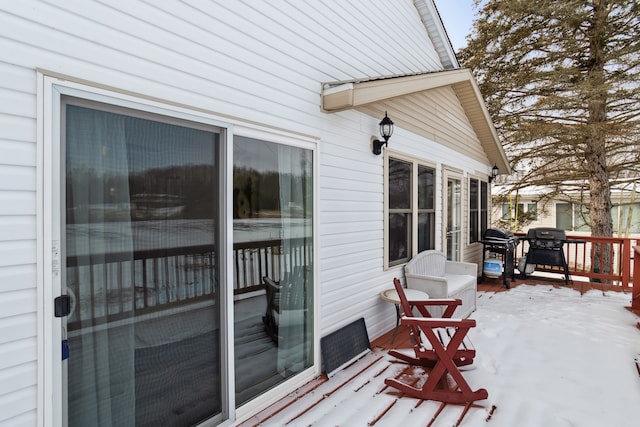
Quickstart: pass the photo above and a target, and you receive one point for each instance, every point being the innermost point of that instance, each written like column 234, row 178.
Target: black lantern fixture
column 386, row 130
column 494, row 172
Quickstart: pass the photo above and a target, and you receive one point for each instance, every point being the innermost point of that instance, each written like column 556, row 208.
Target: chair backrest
column 430, row 262
column 415, row 333
column 405, row 307
column 272, row 289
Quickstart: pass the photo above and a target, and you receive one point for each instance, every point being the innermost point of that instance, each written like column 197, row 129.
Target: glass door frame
column 448, row 175
column 50, row 254
column 308, row 143
column 52, row 370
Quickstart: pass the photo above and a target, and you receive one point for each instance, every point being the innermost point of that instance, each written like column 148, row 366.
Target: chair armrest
column 430, row 322
column 426, row 277
column 271, row 284
column 450, row 303
column 437, row 301
column 459, row 267
column 435, row 286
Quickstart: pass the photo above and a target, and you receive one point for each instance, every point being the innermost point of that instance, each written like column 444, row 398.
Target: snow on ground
column 549, row 357
column 552, row 357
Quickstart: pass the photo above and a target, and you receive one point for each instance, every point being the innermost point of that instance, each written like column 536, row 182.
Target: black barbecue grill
column 504, row 243
column 546, row 247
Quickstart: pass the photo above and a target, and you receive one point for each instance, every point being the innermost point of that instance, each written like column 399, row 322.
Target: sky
column 548, row 357
column 457, row 16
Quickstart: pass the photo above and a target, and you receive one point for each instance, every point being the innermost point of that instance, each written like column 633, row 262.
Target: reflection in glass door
column 454, row 218
column 273, row 260
column 142, row 269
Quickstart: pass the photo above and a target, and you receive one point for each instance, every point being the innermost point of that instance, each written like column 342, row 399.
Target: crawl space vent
column 344, row 345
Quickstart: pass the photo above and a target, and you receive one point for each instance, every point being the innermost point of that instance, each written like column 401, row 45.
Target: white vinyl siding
column 18, row 233
column 446, row 121
column 222, row 55
column 246, row 62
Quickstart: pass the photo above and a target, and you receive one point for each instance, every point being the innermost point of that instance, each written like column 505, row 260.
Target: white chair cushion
column 458, row 282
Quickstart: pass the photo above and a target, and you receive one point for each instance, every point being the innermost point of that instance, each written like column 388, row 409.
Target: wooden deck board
column 357, row 395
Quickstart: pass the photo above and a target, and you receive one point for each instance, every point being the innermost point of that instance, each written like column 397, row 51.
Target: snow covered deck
column 548, row 355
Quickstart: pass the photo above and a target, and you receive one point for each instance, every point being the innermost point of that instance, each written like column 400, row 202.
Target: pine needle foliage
column 562, row 83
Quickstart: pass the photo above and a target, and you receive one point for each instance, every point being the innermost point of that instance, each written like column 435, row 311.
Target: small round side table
column 391, row 295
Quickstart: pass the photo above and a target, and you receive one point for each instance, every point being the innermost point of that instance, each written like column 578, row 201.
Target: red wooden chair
column 438, row 343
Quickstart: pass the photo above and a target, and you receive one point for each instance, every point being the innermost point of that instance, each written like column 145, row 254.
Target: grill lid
column 498, row 233
column 500, row 237
column 544, row 233
column 546, row 238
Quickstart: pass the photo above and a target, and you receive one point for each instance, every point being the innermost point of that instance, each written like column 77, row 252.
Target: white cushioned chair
column 430, row 272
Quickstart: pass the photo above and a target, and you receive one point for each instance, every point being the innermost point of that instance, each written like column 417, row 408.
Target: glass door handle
column 62, row 306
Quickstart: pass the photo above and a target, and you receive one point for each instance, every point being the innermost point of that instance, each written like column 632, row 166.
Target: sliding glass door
column 148, row 273
column 273, row 260
column 142, row 252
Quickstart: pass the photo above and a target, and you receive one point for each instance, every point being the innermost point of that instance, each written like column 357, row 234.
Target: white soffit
column 365, row 95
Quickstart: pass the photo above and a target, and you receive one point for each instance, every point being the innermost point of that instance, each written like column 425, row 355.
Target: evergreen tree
column 561, row 81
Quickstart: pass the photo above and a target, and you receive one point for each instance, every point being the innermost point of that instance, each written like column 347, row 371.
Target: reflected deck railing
column 614, row 255
column 116, row 286
column 254, row 260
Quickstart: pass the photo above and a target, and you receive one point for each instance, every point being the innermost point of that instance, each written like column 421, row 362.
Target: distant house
column 189, row 199
column 527, row 210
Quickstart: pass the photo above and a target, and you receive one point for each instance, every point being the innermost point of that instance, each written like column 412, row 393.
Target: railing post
column 625, row 257
column 635, row 294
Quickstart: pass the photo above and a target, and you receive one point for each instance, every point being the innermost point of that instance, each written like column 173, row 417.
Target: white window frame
column 458, row 175
column 415, row 163
column 479, row 210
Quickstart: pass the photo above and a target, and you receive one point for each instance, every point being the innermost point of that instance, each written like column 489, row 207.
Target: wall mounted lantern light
column 386, row 130
column 494, row 172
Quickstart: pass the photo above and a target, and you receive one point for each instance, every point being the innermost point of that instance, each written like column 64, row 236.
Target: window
column 572, row 217
column 484, row 207
column 426, row 208
column 273, row 234
column 478, row 209
column 518, row 212
column 506, row 211
column 532, row 211
column 411, row 209
column 581, row 220
column 512, row 213
column 626, row 218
